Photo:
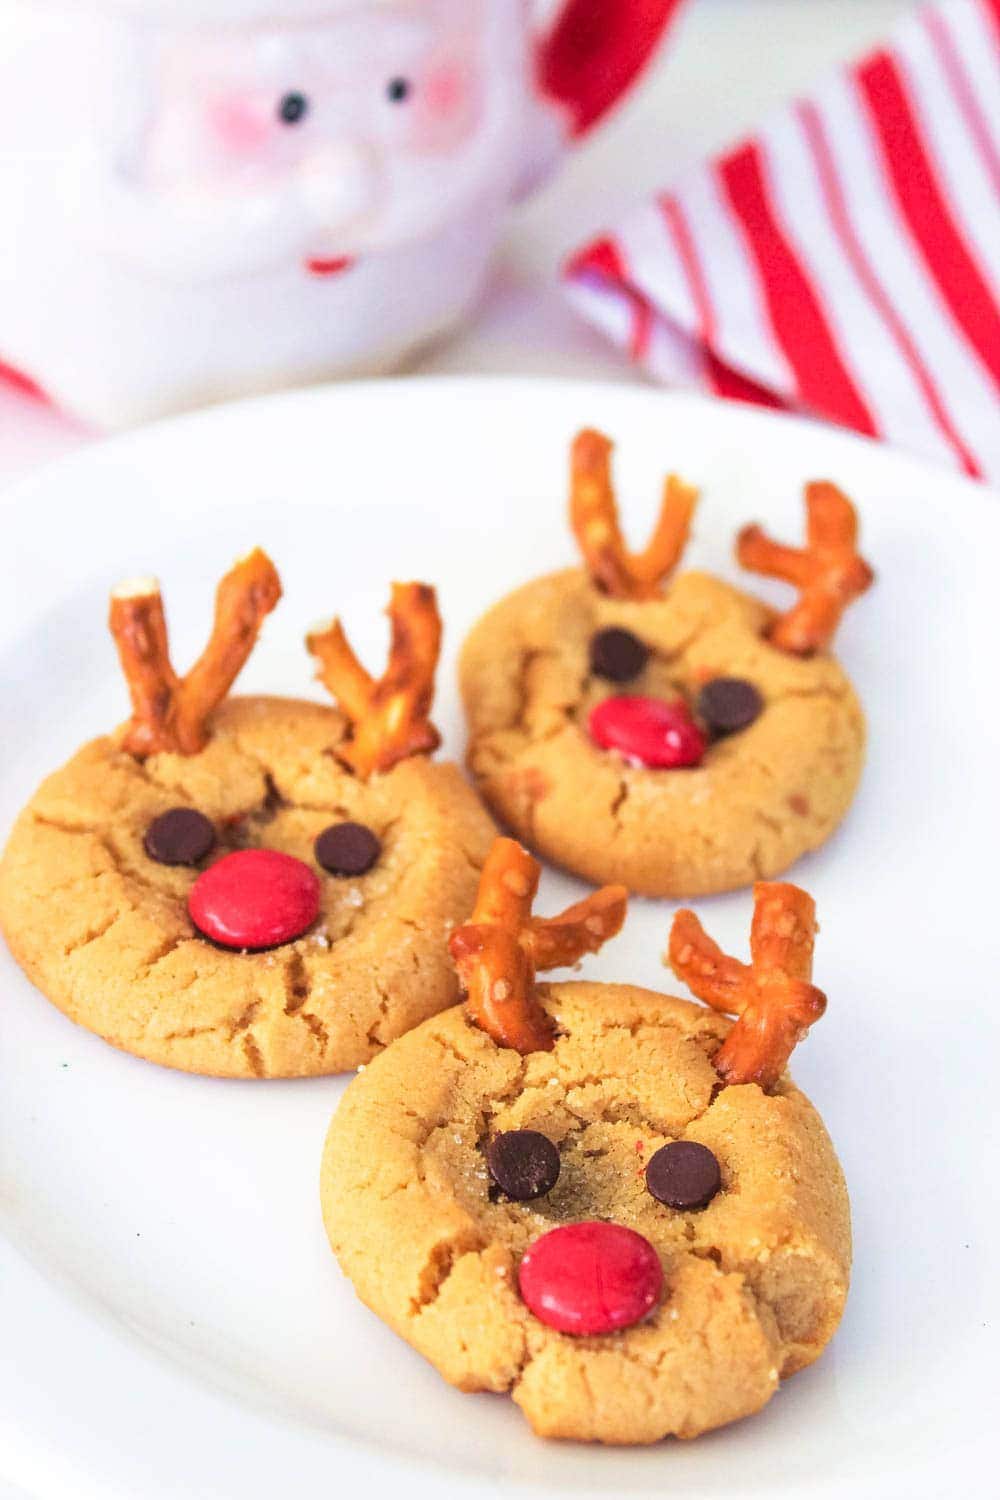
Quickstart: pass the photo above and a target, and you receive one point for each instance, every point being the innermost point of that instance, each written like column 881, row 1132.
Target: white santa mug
column 203, row 198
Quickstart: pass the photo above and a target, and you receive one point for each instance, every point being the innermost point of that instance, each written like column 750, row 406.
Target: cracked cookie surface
column 761, row 797
column 104, row 932
column 754, row 1284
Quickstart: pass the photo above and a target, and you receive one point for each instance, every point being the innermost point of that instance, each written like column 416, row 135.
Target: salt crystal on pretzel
column 170, row 712
column 829, row 572
column 500, row 948
column 594, row 518
column 389, row 718
column 772, row 997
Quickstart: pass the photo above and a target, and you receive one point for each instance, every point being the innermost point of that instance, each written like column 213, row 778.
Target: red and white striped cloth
column 845, row 261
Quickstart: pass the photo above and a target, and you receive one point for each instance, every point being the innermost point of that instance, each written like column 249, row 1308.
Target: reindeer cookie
column 250, row 887
column 678, row 736
column 611, row 1203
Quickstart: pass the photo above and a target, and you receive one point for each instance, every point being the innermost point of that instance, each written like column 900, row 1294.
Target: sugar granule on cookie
column 250, row 887
column 634, row 722
column 612, row 1204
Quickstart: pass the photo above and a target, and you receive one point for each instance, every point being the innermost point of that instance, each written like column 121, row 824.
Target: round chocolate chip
column 347, row 849
column 182, row 836
column 683, row 1175
column 617, row 654
column 523, row 1163
column 729, row 703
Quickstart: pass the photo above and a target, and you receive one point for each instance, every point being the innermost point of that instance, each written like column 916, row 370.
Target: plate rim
column 421, row 1475
column 180, row 422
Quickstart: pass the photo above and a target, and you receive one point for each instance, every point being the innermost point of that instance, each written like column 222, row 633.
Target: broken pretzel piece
column 594, row 518
column 829, row 572
column 772, row 995
column 499, row 950
column 389, row 719
column 170, row 712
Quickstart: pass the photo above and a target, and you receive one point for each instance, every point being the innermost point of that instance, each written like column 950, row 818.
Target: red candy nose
column 648, row 732
column 255, row 898
column 590, row 1277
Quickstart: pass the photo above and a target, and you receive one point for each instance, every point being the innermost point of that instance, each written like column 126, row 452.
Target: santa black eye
column 397, row 90
column 293, row 109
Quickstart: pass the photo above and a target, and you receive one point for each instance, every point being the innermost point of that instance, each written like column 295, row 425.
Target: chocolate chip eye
column 684, row 1175
column 182, row 836
column 524, row 1164
column 397, row 90
column 617, row 654
column 293, row 108
column 728, row 704
column 347, row 849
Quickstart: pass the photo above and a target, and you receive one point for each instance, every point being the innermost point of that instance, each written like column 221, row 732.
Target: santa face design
column 256, row 205
column 198, row 201
column 351, row 137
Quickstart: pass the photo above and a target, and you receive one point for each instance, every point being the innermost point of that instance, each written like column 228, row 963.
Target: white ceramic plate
column 173, row 1322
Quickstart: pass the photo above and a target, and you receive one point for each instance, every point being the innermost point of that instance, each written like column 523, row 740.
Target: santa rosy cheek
column 446, row 107
column 446, row 90
column 240, row 124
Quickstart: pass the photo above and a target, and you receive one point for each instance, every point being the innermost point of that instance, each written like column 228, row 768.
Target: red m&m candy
column 648, row 732
column 590, row 1277
column 255, row 898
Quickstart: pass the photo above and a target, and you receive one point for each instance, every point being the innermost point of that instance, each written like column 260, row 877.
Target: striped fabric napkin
column 845, row 261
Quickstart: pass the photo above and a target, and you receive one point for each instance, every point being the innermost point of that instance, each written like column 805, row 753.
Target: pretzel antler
column 502, row 946
column 171, row 712
column 389, row 718
column 772, row 996
column 829, row 572
column 594, row 518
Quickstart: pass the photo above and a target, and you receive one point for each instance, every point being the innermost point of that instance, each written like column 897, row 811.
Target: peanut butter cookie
column 250, row 887
column 682, row 738
column 610, row 1203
